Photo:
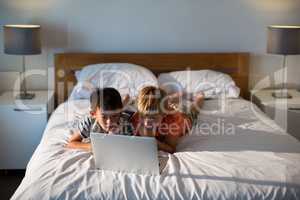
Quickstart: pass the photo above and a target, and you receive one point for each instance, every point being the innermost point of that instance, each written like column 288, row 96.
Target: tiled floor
column 9, row 182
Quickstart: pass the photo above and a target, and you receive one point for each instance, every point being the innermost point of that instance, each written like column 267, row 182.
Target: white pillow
column 126, row 78
column 211, row 83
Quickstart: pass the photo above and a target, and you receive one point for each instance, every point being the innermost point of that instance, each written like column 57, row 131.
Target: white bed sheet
column 256, row 161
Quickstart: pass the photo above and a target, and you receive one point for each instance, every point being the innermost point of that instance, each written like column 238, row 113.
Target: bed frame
column 234, row 64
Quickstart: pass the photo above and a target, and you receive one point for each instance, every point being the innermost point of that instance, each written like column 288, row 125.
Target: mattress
column 233, row 152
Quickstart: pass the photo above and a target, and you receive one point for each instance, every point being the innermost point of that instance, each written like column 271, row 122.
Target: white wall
column 152, row 26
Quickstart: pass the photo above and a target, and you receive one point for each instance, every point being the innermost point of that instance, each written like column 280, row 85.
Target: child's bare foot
column 198, row 101
column 126, row 100
column 199, row 98
column 174, row 100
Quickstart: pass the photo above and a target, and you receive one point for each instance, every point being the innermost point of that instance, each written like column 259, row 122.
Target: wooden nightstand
column 22, row 125
column 285, row 112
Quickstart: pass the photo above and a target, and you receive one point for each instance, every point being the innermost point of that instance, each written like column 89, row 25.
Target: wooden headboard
column 234, row 64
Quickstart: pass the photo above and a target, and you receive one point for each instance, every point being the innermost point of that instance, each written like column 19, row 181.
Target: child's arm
column 172, row 141
column 75, row 142
column 165, row 147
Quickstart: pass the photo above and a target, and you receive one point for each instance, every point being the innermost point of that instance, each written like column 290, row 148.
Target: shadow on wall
column 54, row 36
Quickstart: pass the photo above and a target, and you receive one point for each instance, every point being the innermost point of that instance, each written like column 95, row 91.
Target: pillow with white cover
column 212, row 83
column 126, row 78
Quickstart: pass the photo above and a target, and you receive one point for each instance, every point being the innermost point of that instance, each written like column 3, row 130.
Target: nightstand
column 285, row 112
column 22, row 125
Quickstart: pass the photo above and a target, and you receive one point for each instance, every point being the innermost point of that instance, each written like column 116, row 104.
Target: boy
column 106, row 116
column 165, row 117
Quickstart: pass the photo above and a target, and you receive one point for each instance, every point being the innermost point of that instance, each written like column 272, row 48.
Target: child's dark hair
column 108, row 99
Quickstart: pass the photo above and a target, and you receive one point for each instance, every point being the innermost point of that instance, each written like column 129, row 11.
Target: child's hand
column 147, row 133
column 79, row 145
column 69, row 145
column 114, row 130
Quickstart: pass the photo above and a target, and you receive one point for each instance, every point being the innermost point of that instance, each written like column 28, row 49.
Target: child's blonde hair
column 151, row 100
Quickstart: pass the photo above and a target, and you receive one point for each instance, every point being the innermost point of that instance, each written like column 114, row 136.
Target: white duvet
column 243, row 155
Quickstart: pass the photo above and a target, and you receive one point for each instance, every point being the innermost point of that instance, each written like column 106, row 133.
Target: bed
column 255, row 160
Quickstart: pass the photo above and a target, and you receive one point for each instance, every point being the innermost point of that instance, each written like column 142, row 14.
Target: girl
column 165, row 117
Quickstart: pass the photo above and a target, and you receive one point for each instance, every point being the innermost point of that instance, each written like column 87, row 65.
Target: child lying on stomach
column 106, row 116
column 164, row 117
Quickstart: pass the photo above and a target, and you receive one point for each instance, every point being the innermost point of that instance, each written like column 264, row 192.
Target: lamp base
column 281, row 94
column 25, row 96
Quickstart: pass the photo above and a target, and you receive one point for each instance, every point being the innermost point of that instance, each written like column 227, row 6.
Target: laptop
column 128, row 154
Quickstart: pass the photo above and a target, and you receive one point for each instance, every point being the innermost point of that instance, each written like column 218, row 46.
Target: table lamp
column 283, row 40
column 22, row 40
